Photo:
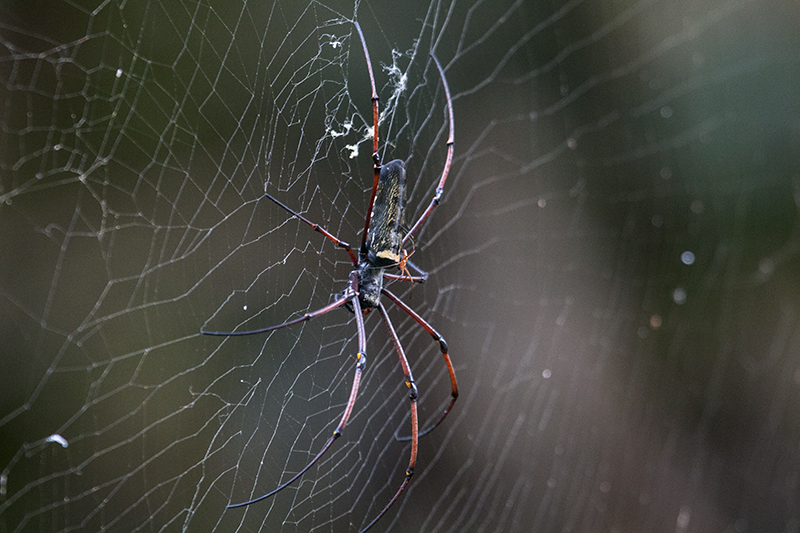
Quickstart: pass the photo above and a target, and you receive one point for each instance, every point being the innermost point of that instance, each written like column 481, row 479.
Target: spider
column 382, row 246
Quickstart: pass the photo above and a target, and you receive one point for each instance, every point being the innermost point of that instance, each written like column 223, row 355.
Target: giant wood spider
column 383, row 245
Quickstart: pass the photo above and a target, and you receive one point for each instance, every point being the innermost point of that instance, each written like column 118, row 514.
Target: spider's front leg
column 448, row 161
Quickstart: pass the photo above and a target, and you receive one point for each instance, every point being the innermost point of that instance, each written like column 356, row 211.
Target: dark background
column 615, row 265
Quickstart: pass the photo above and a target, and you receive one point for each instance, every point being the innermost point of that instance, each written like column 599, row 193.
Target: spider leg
column 403, row 277
column 376, row 158
column 361, row 357
column 421, row 272
column 307, row 316
column 421, row 278
column 442, row 346
column 316, row 227
column 450, row 142
column 414, row 420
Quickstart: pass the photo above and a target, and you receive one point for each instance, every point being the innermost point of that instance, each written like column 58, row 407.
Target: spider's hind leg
column 443, row 348
column 412, row 396
column 361, row 361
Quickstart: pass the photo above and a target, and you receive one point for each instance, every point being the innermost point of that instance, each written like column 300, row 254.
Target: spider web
column 614, row 265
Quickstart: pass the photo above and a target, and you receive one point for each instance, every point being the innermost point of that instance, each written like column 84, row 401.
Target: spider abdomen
column 385, row 235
